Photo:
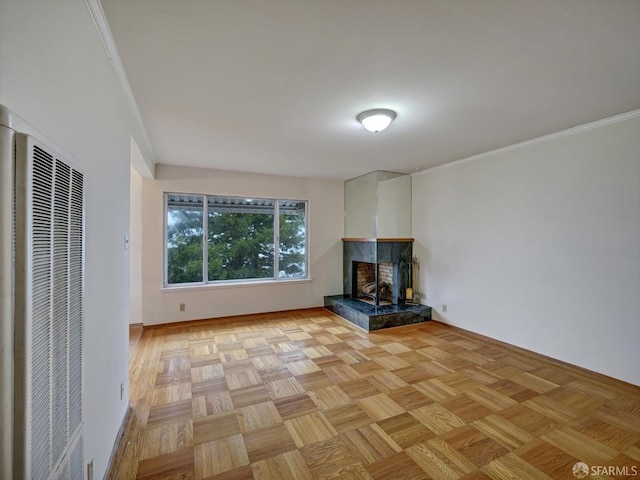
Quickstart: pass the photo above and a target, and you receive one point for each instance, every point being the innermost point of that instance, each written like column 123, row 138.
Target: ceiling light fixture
column 377, row 119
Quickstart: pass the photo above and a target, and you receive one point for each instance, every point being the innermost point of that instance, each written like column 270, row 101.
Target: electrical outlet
column 121, row 391
column 183, row 307
column 90, row 470
column 444, row 308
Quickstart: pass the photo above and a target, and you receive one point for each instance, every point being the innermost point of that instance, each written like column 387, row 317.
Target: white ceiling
column 274, row 86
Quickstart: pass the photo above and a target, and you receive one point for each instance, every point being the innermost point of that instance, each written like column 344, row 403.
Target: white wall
column 326, row 207
column 135, row 247
column 539, row 246
column 394, row 207
column 361, row 215
column 54, row 73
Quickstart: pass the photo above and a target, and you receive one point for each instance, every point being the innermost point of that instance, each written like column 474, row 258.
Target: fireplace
column 377, row 255
column 376, row 275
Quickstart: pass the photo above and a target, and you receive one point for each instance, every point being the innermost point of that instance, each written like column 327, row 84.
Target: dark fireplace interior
column 374, row 283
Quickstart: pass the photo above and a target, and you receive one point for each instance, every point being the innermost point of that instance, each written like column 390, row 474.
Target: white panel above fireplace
column 394, row 207
column 378, row 205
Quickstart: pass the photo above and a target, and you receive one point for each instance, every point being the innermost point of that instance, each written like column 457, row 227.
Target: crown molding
column 100, row 21
column 546, row 138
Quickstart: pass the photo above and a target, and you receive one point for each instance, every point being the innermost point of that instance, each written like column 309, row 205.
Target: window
column 223, row 239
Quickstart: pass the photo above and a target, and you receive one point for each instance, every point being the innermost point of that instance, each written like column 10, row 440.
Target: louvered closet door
column 49, row 313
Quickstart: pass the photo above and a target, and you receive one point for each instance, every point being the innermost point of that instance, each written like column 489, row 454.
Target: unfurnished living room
column 317, row 239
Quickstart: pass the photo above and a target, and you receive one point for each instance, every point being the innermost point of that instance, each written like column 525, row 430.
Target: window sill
column 240, row 284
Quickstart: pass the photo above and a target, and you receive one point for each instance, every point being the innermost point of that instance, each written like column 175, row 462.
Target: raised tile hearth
column 371, row 317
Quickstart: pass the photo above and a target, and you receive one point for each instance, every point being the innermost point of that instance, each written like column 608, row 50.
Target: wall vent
column 48, row 293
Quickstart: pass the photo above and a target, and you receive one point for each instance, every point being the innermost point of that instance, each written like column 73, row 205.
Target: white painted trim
column 546, row 138
column 237, row 284
column 100, row 21
column 10, row 119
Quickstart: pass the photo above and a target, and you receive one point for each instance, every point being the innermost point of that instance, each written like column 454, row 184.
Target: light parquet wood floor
column 305, row 395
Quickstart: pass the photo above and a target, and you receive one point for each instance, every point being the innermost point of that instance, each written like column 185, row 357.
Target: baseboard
column 232, row 318
column 116, row 444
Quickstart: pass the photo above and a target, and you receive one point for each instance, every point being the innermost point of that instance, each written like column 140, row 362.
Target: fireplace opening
column 373, row 283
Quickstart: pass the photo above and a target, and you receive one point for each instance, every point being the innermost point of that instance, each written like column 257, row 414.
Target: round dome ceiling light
column 377, row 119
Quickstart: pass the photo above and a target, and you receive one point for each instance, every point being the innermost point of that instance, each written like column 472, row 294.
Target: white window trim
column 191, row 287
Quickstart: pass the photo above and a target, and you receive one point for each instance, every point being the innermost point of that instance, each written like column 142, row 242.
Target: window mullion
column 205, row 244
column 276, row 240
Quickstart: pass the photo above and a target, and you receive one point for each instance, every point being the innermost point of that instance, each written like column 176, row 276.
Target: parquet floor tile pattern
column 305, row 395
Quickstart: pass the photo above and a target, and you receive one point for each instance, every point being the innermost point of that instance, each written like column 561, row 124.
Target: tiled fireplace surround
column 383, row 254
column 376, row 252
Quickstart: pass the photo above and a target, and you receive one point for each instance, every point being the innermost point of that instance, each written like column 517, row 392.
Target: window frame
column 275, row 279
